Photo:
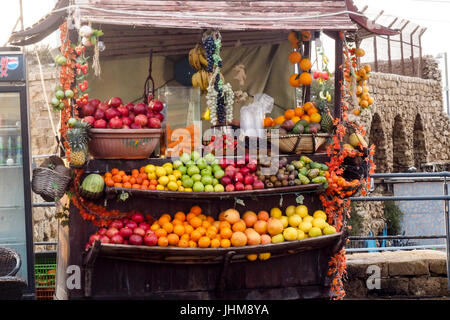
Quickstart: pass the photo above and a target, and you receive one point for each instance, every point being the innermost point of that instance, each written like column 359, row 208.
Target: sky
column 432, row 14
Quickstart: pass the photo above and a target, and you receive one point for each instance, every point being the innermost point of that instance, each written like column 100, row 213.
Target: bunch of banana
column 201, row 79
column 197, row 57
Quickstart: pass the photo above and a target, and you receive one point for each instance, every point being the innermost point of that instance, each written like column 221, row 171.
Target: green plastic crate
column 45, row 270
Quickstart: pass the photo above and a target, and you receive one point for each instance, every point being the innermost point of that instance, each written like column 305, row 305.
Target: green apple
column 215, row 168
column 219, row 188
column 277, row 238
column 215, row 181
column 207, row 180
column 198, row 187
column 210, row 158
column 182, row 169
column 72, row 122
column 61, row 106
column 201, row 163
column 209, row 188
column 55, row 101
column 196, row 177
column 184, row 177
column 185, row 157
column 68, row 94
column 193, row 170
column 206, row 172
column 59, row 94
column 195, row 156
column 219, row 174
column 188, row 183
column 290, row 234
column 177, row 164
column 190, row 163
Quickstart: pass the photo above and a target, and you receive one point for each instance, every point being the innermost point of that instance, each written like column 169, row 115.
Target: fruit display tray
column 313, row 187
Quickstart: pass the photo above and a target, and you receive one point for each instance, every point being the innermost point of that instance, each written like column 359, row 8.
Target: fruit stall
column 253, row 207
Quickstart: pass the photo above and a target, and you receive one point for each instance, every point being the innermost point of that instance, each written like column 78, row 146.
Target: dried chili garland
column 336, row 198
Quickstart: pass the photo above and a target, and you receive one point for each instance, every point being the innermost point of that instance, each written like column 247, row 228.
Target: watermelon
column 92, row 186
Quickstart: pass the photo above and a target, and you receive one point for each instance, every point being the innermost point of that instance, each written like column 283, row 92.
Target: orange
column 295, row 57
column 196, row 222
column 268, row 122
column 173, row 239
column 142, row 169
column 289, row 114
column 357, row 112
column 154, row 182
column 125, row 178
column 215, row 243
column 109, row 182
column 114, row 171
column 279, row 120
column 226, row 233
column 160, row 233
column 176, row 222
column 204, row 242
column 206, row 224
column 185, row 237
column 117, row 185
column 117, row 178
column 216, row 224
column 155, row 226
column 359, row 52
column 316, row 117
column 312, row 110
column 292, row 37
column 121, row 173
column 139, row 180
column 108, row 175
column 192, row 244
column 202, row 216
column 178, row 230
column 196, row 210
column 163, row 219
column 370, row 101
column 163, row 242
column 136, row 186
column 299, row 111
column 295, row 119
column 305, row 64
column 188, row 229
column 306, row 118
column 132, row 180
column 307, row 106
column 168, row 227
column 294, row 45
column 306, row 35
column 135, row 172
column 225, row 243
column 218, row 237
column 305, row 79
column 183, row 243
column 180, row 216
column 211, row 232
column 224, row 224
column 359, row 90
column 263, row 215
column 239, row 226
column 365, row 96
column 144, row 187
column 201, row 230
column 368, row 68
column 189, row 216
column 127, row 185
column 364, row 103
column 210, row 219
column 294, row 81
column 195, row 235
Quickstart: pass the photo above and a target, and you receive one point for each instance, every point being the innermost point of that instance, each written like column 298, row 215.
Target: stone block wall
column 42, row 143
column 418, row 274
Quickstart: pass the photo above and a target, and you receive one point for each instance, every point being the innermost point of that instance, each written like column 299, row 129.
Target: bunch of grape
column 210, row 48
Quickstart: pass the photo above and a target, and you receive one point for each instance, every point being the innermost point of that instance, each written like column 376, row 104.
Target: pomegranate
column 129, row 106
column 136, row 240
column 245, row 171
column 103, row 106
column 115, row 102
column 156, row 105
column 135, row 125
column 126, row 127
column 123, row 110
column 132, row 225
column 159, row 116
column 239, row 186
column 126, row 121
column 88, row 109
column 94, row 237
column 117, row 239
column 111, row 113
column 225, row 180
column 258, row 184
column 116, row 224
column 111, row 232
column 140, row 108
column 252, row 166
column 100, row 124
column 141, row 119
column 104, row 239
column 229, row 188
column 238, row 177
column 137, row 217
column 90, row 120
column 248, row 187
column 150, row 239
column 125, row 220
column 144, row 225
column 126, row 232
column 95, row 102
column 116, row 123
column 99, row 114
column 249, row 179
column 131, row 115
column 154, row 123
column 102, row 231
column 149, row 114
column 126, row 242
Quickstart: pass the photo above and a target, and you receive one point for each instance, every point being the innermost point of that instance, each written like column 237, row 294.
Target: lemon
column 294, row 220
column 315, row 232
column 172, row 177
column 300, row 234
column 168, row 169
column 168, row 164
column 264, row 256
column 180, row 188
column 252, row 257
column 308, row 219
column 179, row 183
column 160, row 187
column 305, row 226
column 290, row 234
column 285, row 221
column 172, row 186
column 319, row 223
column 329, row 230
column 151, row 176
column 320, row 214
column 188, row 189
column 160, row 172
column 301, row 210
column 163, row 180
column 275, row 212
column 290, row 211
column 150, row 168
column 177, row 173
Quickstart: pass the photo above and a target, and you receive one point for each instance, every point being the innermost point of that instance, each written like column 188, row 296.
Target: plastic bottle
column 2, row 156
column 18, row 150
column 10, row 158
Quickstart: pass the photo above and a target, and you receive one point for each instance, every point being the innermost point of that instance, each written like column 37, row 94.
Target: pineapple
column 78, row 137
column 327, row 122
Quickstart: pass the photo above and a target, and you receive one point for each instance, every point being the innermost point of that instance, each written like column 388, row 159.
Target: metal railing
column 444, row 197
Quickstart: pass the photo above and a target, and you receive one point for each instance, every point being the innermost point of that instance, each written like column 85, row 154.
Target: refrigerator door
column 15, row 211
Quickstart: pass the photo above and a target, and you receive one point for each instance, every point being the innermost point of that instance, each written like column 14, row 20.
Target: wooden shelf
column 307, row 188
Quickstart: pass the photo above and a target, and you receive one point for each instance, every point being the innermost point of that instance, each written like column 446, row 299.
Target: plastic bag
column 252, row 115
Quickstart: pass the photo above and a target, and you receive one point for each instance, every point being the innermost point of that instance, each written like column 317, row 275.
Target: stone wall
column 417, row 274
column 42, row 143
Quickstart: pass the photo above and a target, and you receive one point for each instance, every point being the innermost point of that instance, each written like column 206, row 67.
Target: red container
column 123, row 143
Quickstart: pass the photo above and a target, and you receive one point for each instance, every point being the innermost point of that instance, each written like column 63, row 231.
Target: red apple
column 111, row 232
column 135, row 125
column 117, row 239
column 229, row 188
column 139, row 231
column 249, row 179
column 132, row 225
column 104, row 239
column 116, row 224
column 99, row 114
column 126, row 242
column 111, row 113
column 137, row 217
column 144, row 225
column 88, row 109
column 94, row 237
column 225, row 180
column 126, row 121
column 159, row 116
column 95, row 102
column 103, row 106
column 126, row 232
column 129, row 106
column 248, row 187
column 229, row 171
column 238, row 177
column 102, row 231
column 258, row 184
column 136, row 240
column 245, row 171
column 125, row 221
column 239, row 186
column 252, row 166
column 131, row 115
column 150, row 239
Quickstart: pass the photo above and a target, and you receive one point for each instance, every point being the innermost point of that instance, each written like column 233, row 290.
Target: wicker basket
column 47, row 182
column 302, row 143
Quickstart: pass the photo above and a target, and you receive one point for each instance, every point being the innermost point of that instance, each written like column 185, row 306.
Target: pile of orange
column 137, row 180
column 307, row 112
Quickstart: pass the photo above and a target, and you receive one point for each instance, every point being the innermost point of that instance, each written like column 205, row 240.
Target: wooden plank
column 338, row 74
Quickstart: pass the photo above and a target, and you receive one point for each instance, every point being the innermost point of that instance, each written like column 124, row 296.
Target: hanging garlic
column 86, row 31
